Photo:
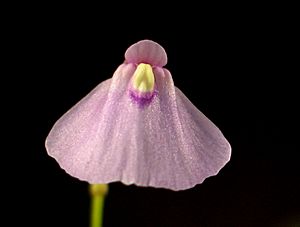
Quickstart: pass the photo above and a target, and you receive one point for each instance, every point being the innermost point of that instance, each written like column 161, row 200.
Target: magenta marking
column 142, row 98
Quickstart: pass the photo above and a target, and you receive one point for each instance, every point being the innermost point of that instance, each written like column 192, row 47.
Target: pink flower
column 138, row 128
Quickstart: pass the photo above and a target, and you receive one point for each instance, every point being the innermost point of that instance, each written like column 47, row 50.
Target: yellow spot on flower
column 143, row 78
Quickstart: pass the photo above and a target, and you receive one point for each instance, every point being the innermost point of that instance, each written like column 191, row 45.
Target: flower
column 138, row 128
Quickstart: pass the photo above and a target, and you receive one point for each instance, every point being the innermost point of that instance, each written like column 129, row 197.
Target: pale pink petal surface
column 167, row 143
column 146, row 51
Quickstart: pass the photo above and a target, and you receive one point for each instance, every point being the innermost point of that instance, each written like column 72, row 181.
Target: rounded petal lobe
column 146, row 51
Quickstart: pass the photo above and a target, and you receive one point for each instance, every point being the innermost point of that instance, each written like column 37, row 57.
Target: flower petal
column 168, row 144
column 72, row 139
column 146, row 51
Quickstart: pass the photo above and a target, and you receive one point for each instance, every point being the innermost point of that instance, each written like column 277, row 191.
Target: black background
column 237, row 69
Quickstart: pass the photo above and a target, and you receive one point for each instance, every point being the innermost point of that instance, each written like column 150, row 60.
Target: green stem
column 97, row 192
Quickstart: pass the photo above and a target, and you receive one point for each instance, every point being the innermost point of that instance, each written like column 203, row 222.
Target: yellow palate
column 143, row 78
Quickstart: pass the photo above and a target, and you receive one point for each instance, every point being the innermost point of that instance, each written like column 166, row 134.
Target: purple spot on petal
column 142, row 99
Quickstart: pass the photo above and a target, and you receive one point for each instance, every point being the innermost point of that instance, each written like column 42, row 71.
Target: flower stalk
column 97, row 193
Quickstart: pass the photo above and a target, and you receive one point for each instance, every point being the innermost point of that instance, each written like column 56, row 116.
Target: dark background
column 236, row 68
